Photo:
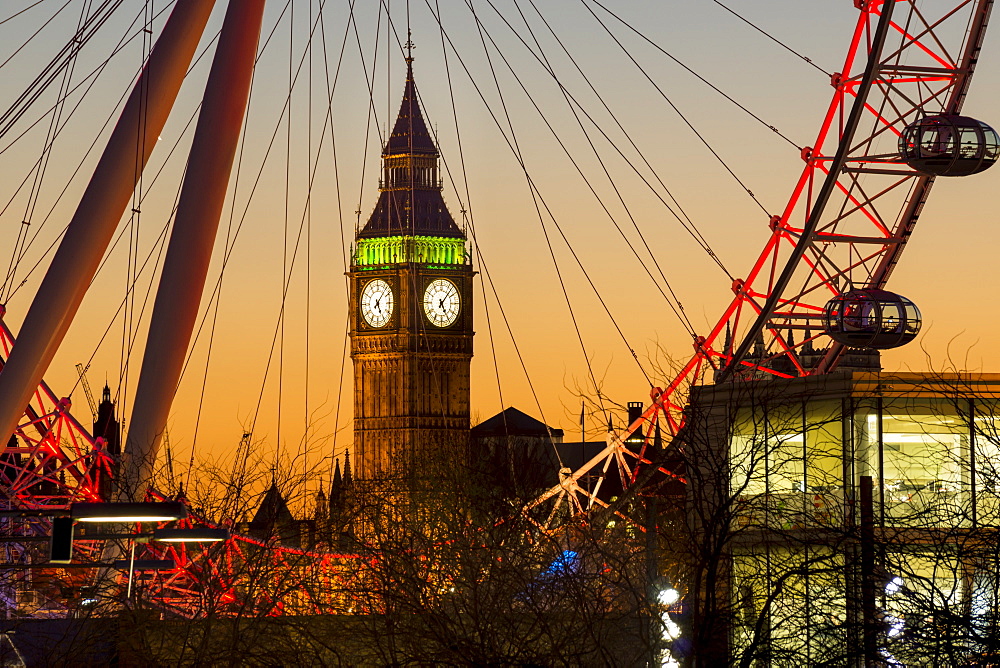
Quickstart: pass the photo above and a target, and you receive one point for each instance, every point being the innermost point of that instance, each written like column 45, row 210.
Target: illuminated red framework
column 845, row 225
column 54, row 461
column 248, row 576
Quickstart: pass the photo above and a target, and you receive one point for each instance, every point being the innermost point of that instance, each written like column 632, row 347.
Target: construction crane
column 82, row 371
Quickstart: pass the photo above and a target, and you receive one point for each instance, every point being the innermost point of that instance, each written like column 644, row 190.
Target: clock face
column 441, row 302
column 377, row 303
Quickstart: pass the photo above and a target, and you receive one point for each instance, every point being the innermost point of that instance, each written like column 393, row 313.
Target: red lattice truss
column 53, row 461
column 822, row 244
column 854, row 238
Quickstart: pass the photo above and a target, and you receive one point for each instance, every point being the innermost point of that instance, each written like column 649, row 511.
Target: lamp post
column 158, row 511
column 64, row 520
column 92, row 512
column 191, row 535
column 144, row 512
column 154, row 511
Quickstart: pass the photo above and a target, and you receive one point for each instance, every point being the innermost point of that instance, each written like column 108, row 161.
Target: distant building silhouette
column 108, row 427
column 274, row 519
column 524, row 455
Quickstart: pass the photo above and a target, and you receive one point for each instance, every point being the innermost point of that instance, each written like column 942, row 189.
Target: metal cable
column 672, row 301
column 674, row 107
column 331, row 87
column 536, row 197
column 683, row 218
column 772, row 37
column 550, row 214
column 18, row 13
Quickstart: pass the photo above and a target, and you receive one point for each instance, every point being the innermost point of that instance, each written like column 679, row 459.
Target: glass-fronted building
column 819, row 571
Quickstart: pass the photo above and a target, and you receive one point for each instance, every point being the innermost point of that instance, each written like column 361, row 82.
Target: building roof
column 272, row 512
column 414, row 212
column 512, row 422
column 410, row 134
column 417, row 208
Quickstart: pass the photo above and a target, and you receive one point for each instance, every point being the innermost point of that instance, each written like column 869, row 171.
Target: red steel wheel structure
column 892, row 126
column 51, row 461
column 865, row 180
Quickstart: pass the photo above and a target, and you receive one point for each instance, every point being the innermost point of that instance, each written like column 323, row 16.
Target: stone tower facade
column 410, row 315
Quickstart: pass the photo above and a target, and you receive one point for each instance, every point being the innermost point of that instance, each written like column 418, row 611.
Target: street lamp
column 668, row 596
column 192, row 535
column 63, row 521
column 160, row 511
column 87, row 511
column 61, row 551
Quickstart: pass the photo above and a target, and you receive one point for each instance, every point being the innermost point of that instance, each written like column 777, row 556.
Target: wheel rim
column 845, row 225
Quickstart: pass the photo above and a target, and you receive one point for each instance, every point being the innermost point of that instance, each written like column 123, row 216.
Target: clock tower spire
column 411, row 315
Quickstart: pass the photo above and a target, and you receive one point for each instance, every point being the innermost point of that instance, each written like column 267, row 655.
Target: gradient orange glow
column 949, row 267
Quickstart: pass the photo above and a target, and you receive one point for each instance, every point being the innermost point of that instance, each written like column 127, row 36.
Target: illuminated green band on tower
column 380, row 251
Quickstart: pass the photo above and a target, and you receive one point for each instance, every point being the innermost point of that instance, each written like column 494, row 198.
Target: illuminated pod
column 872, row 319
column 949, row 145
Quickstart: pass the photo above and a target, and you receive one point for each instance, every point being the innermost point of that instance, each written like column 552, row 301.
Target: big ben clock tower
column 411, row 315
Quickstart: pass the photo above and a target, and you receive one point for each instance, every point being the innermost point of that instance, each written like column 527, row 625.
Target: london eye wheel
column 818, row 288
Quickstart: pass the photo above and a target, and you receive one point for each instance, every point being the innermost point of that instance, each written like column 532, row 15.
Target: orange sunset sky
column 949, row 268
